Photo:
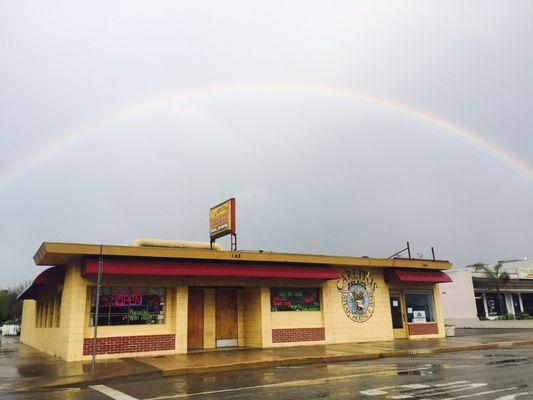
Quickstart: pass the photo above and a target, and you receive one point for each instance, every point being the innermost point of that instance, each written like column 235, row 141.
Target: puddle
column 33, row 371
column 499, row 355
column 519, row 360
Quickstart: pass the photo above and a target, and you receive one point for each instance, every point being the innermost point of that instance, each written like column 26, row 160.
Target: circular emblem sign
column 357, row 294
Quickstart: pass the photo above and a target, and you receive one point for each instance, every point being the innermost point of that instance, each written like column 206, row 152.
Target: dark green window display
column 294, row 299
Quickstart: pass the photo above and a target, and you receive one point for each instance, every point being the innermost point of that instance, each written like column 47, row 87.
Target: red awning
column 398, row 275
column 150, row 267
column 50, row 276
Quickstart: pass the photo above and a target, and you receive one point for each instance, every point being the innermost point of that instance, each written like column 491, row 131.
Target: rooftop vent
column 146, row 242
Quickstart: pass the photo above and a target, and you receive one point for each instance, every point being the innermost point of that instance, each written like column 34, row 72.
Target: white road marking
column 290, row 383
column 513, row 396
column 113, row 393
column 450, row 383
column 434, row 392
column 416, row 390
column 381, row 391
column 465, row 396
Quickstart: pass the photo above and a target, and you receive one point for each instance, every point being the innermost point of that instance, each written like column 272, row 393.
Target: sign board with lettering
column 222, row 219
column 525, row 273
column 294, row 299
column 419, row 316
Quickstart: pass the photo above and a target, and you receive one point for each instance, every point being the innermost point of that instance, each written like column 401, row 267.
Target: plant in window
column 496, row 279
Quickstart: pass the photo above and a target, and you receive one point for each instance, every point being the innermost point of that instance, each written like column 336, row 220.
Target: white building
column 470, row 294
column 457, row 297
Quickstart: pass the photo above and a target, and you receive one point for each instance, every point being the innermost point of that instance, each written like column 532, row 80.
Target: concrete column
column 74, row 315
column 266, row 321
column 209, row 319
column 485, row 305
column 181, row 301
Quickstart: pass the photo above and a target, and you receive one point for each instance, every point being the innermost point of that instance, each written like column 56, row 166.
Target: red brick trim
column 423, row 329
column 129, row 344
column 298, row 335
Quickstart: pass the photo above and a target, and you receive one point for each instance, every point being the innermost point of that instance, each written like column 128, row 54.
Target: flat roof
column 52, row 253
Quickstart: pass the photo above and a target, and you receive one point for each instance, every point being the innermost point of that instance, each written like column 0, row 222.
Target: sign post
column 97, row 307
column 222, row 222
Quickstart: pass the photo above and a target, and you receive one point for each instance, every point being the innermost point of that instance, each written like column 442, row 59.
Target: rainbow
column 71, row 137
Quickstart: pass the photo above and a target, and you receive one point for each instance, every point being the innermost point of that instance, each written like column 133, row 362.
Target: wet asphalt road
column 503, row 374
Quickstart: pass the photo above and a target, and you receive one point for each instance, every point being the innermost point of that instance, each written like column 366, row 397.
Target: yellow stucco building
column 163, row 300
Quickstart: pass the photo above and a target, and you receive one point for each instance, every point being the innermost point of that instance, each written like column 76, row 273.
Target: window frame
column 431, row 296
column 318, row 297
column 163, row 293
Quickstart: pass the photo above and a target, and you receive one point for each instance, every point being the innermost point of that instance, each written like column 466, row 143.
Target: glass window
column 294, row 299
column 396, row 311
column 419, row 306
column 128, row 306
column 493, row 305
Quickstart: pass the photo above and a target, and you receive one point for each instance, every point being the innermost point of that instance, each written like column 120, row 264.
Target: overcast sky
column 314, row 172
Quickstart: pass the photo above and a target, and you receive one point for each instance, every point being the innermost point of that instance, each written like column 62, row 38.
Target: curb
column 342, row 358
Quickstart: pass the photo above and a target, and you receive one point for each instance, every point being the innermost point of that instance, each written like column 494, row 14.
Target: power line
column 198, row 231
column 253, row 227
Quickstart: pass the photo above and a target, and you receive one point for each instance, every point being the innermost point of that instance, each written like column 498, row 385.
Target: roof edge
column 54, row 253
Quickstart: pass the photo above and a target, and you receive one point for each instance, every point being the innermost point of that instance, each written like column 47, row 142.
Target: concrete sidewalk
column 23, row 368
column 214, row 361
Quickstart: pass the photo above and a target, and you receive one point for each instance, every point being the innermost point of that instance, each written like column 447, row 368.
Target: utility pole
column 95, row 321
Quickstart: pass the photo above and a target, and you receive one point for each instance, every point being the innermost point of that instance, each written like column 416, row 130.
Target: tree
column 10, row 306
column 496, row 278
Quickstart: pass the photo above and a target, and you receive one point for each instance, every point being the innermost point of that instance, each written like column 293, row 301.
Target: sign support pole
column 95, row 321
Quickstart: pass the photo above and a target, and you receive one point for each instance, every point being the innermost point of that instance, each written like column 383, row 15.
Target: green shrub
column 507, row 316
column 523, row 315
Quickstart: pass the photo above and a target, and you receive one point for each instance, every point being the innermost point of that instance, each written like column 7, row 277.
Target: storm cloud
column 125, row 119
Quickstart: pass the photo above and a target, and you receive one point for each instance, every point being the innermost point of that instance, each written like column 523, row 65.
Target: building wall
column 209, row 319
column 458, row 296
column 258, row 326
column 66, row 340
column 341, row 329
column 44, row 339
column 253, row 333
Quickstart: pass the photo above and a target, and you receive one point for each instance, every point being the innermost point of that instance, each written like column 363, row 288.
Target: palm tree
column 496, row 277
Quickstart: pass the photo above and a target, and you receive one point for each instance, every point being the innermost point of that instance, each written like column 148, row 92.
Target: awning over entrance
column 50, row 276
column 151, row 267
column 400, row 276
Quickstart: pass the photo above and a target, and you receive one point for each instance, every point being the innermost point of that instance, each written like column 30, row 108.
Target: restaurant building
column 161, row 299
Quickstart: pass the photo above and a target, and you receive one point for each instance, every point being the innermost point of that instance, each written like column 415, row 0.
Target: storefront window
column 527, row 302
column 419, row 306
column 480, row 305
column 493, row 305
column 128, row 306
column 294, row 299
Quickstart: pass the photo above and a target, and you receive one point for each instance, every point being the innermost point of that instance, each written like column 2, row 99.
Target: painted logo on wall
column 357, row 288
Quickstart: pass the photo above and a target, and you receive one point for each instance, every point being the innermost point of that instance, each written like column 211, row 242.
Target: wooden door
column 226, row 317
column 195, row 317
column 398, row 316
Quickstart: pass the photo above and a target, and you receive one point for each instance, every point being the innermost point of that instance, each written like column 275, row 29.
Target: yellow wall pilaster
column 209, row 319
column 181, row 314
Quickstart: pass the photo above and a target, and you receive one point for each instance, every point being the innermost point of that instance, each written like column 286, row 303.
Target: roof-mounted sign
column 525, row 273
column 222, row 219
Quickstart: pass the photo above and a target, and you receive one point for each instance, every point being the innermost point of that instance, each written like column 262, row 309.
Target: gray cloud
column 315, row 173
